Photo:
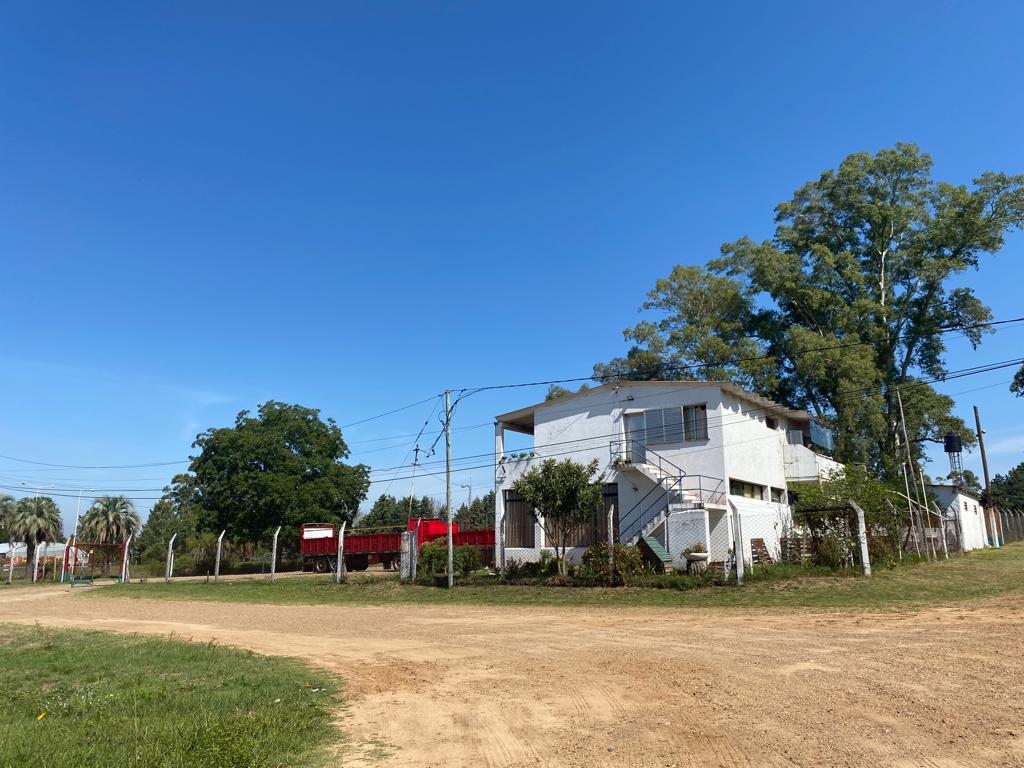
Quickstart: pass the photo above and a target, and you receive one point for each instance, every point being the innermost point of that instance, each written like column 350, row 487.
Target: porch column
column 499, row 498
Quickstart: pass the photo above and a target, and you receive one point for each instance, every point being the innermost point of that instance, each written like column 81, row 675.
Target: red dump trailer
column 363, row 546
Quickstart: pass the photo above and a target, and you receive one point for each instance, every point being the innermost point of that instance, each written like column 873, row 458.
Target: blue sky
column 354, row 205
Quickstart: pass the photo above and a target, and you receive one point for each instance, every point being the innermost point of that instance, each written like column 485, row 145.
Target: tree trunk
column 30, row 550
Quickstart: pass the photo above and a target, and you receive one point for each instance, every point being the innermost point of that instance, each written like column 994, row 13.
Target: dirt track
column 454, row 686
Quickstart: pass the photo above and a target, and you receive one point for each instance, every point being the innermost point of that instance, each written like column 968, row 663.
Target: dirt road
column 470, row 686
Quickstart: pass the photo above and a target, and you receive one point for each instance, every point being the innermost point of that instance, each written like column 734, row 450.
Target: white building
column 965, row 505
column 684, row 463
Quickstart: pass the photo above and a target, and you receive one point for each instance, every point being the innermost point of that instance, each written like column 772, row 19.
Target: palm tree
column 36, row 520
column 110, row 520
column 7, row 505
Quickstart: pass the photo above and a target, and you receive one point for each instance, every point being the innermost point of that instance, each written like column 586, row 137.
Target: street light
column 469, row 495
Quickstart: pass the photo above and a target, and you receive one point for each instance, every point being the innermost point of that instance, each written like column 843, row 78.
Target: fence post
column 737, row 546
column 611, row 542
column 216, row 562
column 273, row 556
column 942, row 530
column 340, row 574
column 124, row 558
column 862, row 534
column 35, row 562
column 415, row 555
column 169, row 572
column 10, row 563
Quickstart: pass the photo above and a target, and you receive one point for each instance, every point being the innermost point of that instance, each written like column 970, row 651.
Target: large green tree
column 1008, row 489
column 847, row 303
column 36, row 520
column 176, row 512
column 564, row 495
column 282, row 466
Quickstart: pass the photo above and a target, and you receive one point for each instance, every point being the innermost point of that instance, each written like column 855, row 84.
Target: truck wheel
column 320, row 566
column 357, row 562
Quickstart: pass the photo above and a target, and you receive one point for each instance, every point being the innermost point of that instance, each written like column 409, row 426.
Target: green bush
column 433, row 559
column 628, row 564
column 519, row 570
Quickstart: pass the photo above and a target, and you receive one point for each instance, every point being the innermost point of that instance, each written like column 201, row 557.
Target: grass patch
column 980, row 574
column 100, row 699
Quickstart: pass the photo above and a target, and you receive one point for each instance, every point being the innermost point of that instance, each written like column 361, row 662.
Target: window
column 519, row 528
column 778, row 495
column 745, row 489
column 771, row 423
column 695, row 422
column 965, row 506
column 664, row 425
column 596, row 530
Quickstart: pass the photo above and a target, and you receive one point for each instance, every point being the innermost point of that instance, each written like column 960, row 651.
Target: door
column 636, row 437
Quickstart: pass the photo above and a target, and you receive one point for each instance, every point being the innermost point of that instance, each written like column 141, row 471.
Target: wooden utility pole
column 988, row 486
column 448, row 480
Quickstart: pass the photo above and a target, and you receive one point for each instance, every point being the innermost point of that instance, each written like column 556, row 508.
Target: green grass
column 74, row 698
column 980, row 574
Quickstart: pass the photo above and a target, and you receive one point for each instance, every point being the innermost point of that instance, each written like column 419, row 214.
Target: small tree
column 564, row 495
column 36, row 521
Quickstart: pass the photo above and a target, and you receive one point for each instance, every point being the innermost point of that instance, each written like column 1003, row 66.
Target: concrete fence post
column 35, row 562
column 169, row 572
column 339, row 571
column 216, row 561
column 611, row 542
column 415, row 544
column 737, row 547
column 10, row 563
column 273, row 556
column 862, row 534
column 124, row 559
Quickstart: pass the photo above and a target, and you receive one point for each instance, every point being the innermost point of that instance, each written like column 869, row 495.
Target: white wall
column 973, row 528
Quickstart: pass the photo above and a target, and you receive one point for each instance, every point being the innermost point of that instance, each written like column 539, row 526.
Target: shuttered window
column 664, row 425
column 519, row 521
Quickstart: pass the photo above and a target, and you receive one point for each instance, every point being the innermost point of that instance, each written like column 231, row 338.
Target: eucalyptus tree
column 850, row 302
column 35, row 520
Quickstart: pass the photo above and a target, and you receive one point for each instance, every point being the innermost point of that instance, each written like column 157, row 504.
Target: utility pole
column 412, row 487
column 988, row 485
column 448, row 480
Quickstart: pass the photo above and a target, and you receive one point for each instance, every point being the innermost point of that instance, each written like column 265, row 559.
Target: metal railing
column 674, row 486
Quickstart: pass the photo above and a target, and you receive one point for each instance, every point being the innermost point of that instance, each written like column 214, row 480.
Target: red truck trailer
column 363, row 546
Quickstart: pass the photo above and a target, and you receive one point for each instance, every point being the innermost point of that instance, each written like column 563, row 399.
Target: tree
column 1008, row 489
column 110, row 520
column 282, row 466
column 7, row 506
column 851, row 301
column 36, row 520
column 478, row 514
column 389, row 511
column 175, row 513
column 564, row 495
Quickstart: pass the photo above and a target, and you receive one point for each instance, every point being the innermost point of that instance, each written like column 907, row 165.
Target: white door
column 636, row 437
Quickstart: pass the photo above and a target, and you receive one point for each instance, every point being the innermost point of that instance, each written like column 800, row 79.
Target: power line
column 388, row 413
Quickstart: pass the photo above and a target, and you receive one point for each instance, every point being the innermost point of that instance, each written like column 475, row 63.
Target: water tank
column 952, row 443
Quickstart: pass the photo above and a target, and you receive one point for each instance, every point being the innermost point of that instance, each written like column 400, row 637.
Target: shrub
column 433, row 559
column 518, row 570
column 628, row 564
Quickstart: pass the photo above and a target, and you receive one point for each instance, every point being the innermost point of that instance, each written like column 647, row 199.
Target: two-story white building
column 684, row 463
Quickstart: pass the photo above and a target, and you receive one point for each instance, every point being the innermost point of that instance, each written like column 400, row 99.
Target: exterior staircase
column 668, row 495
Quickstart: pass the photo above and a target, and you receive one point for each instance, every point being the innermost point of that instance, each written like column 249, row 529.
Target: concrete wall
column 803, row 464
column 973, row 525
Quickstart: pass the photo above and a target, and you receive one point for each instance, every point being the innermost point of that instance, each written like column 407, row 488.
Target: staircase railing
column 625, row 450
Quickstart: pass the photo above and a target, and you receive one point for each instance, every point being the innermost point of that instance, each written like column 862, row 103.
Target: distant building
column 684, row 463
column 965, row 505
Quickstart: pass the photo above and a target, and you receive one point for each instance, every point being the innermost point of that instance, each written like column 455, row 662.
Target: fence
column 1011, row 522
